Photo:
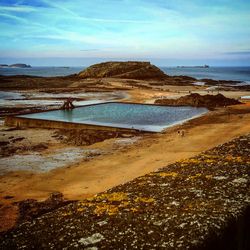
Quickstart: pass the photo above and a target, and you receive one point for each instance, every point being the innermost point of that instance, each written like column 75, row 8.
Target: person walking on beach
column 181, row 133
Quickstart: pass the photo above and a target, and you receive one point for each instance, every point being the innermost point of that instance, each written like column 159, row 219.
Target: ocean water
column 217, row 73
column 41, row 71
column 137, row 116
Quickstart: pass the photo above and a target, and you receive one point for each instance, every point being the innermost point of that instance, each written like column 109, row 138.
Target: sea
column 241, row 74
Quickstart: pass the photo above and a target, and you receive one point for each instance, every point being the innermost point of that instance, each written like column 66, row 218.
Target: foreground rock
column 197, row 100
column 30, row 209
column 197, row 203
column 26, row 210
column 125, row 70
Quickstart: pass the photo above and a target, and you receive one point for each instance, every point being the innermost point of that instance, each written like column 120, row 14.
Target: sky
column 165, row 32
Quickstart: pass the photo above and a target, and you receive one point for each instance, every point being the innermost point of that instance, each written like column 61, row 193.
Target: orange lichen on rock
column 117, row 196
column 194, row 176
column 144, row 199
column 237, row 159
column 106, row 209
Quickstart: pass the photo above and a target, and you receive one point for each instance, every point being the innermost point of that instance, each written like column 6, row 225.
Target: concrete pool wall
column 14, row 121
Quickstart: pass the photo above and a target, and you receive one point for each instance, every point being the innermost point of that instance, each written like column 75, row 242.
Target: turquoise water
column 123, row 115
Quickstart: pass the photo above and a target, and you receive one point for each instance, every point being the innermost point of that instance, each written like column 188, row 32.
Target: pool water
column 123, row 115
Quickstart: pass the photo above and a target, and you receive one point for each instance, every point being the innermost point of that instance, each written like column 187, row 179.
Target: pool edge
column 20, row 121
column 14, row 121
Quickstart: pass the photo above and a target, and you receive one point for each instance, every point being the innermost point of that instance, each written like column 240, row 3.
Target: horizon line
column 170, row 66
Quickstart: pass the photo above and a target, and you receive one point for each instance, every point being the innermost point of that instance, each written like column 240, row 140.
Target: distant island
column 202, row 66
column 17, row 65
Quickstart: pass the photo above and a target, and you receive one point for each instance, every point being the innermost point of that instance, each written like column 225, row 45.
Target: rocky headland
column 125, row 70
column 197, row 100
column 134, row 70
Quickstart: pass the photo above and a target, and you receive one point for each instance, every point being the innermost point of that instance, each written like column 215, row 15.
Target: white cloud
column 13, row 17
column 17, row 8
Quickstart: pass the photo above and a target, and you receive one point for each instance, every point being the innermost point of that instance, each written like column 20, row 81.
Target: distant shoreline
column 16, row 65
column 199, row 67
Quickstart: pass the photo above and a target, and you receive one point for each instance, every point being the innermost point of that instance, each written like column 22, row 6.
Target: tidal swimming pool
column 143, row 117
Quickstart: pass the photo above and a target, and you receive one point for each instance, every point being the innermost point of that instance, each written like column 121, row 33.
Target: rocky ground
column 197, row 100
column 12, row 144
column 34, row 82
column 83, row 137
column 194, row 203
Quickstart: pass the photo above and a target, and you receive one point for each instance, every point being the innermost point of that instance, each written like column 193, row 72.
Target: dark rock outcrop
column 30, row 208
column 125, row 70
column 197, row 100
column 219, row 82
column 85, row 137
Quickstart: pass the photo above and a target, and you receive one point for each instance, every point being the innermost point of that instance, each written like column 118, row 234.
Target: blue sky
column 167, row 32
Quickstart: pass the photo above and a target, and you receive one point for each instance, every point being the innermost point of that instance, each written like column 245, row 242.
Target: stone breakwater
column 197, row 203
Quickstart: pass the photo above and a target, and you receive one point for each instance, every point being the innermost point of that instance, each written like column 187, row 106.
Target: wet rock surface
column 197, row 100
column 187, row 205
column 41, row 163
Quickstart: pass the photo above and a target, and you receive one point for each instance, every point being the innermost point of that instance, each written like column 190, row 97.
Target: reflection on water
column 67, row 115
